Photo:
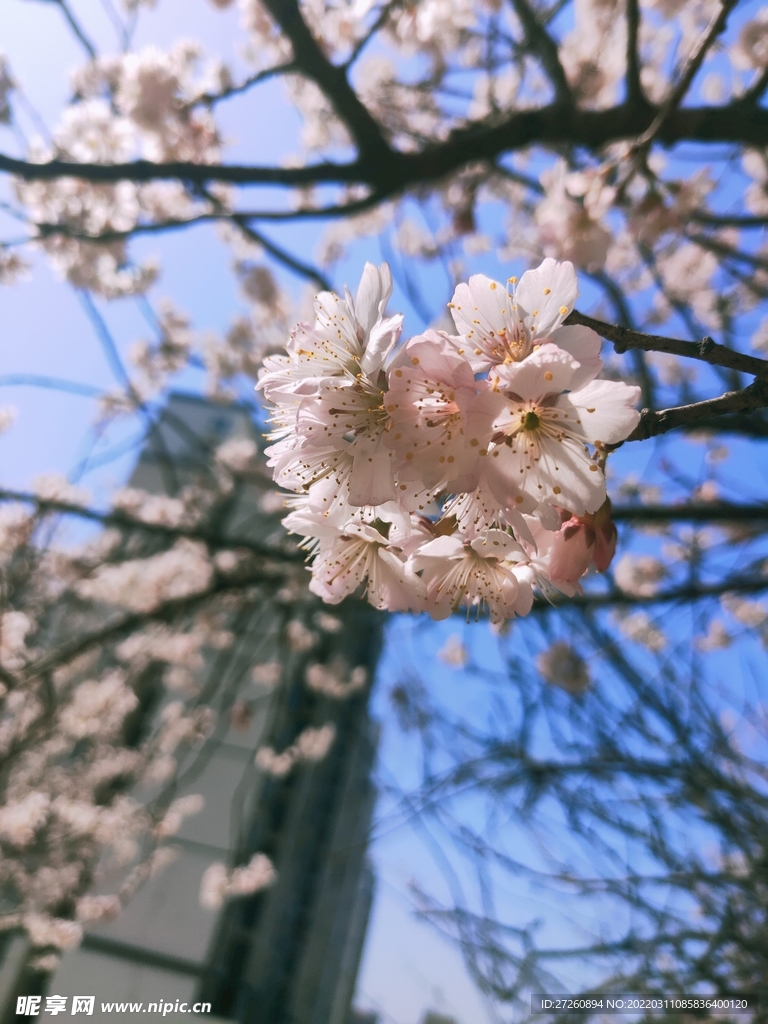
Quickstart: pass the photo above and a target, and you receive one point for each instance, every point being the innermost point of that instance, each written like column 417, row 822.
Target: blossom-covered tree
column 570, row 201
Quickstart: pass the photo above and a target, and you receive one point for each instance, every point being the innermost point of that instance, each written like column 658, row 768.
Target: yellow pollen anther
column 547, row 291
column 563, row 310
column 548, row 375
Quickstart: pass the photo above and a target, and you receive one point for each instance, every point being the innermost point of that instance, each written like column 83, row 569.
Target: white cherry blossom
column 481, row 573
column 541, row 429
column 360, row 555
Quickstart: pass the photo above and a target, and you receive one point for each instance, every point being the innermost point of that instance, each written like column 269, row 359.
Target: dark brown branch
column 706, row 351
column 725, row 220
column 215, row 541
column 542, row 43
column 699, row 414
column 366, row 132
column 751, row 424
column 709, row 512
column 686, row 592
column 727, row 251
column 486, row 140
column 634, row 88
column 624, row 316
column 147, row 170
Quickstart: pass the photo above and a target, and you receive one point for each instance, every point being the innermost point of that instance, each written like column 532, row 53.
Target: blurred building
column 288, row 954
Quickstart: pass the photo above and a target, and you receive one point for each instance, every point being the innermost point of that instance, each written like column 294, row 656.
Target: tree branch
column 122, row 520
column 282, row 256
column 634, row 87
column 695, row 60
column 725, row 220
column 165, row 611
column 209, row 99
column 148, row 170
column 540, row 42
column 686, row 592
column 157, row 227
column 755, row 92
column 704, row 512
column 698, row 414
column 706, row 351
column 374, row 150
column 486, row 140
column 378, row 24
column 727, row 251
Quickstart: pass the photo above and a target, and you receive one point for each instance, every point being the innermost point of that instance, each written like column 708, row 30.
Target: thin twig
column 542, row 43
column 73, row 23
column 320, row 213
column 378, row 24
column 304, row 270
column 715, row 28
column 210, row 99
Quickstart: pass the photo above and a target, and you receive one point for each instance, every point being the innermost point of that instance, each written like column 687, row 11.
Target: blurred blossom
column 638, row 626
column 453, row 652
column 562, row 666
column 639, row 574
column 716, row 638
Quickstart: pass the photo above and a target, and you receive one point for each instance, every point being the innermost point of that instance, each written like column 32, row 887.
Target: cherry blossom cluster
column 454, row 469
column 75, row 782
